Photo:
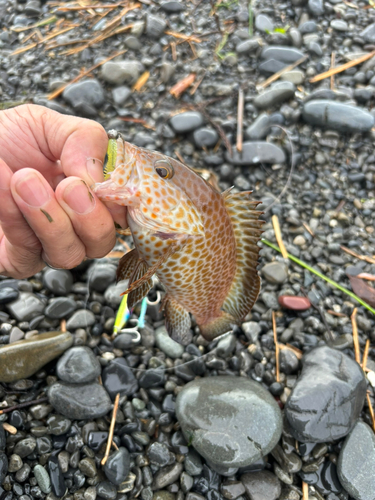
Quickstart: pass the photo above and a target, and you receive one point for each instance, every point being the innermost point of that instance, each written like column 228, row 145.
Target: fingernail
column 95, row 169
column 79, row 198
column 32, row 190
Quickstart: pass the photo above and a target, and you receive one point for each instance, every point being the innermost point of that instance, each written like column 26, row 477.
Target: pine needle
column 357, row 351
column 279, row 239
column 111, row 430
column 141, row 81
column 371, row 411
column 240, row 120
column 342, row 68
column 365, row 355
column 277, row 350
column 322, row 276
column 277, row 75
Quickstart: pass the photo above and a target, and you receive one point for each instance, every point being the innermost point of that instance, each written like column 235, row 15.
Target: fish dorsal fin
column 247, row 230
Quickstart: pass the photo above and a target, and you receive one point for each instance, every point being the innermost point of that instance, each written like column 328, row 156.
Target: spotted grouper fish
column 201, row 244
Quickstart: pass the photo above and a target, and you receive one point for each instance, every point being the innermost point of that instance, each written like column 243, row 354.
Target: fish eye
column 164, row 169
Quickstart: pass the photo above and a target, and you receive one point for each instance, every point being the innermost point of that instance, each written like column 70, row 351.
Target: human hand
column 48, row 213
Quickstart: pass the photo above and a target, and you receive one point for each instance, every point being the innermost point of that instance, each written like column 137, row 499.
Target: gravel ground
column 208, row 420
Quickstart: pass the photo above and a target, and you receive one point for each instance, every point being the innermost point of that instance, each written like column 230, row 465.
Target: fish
column 201, row 244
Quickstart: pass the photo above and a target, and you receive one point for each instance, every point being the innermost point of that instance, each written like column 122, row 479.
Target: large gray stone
column 327, row 398
column 230, row 421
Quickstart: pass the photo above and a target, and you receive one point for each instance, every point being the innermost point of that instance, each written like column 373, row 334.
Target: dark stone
column 89, row 92
column 355, row 467
column 118, row 377
column 230, row 421
column 60, row 308
column 152, row 378
column 337, row 116
column 279, row 92
column 26, row 307
column 186, row 122
column 58, row 484
column 117, row 466
column 327, row 398
column 261, row 485
column 3, row 466
column 205, row 137
column 97, row 439
column 287, row 55
column 58, row 281
column 78, row 365
column 7, row 294
column 80, row 401
column 256, row 152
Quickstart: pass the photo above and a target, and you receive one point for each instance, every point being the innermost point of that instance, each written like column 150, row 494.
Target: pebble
column 117, row 466
column 80, row 401
column 256, row 152
column 169, row 346
column 232, row 490
column 166, row 476
column 26, row 307
column 7, row 294
column 368, row 34
column 42, row 478
column 118, row 377
column 25, row 447
column 248, row 46
column 3, row 467
column 186, row 122
column 337, row 116
column 259, row 128
column 101, row 275
column 355, row 467
column 339, row 25
column 264, row 23
column 80, row 319
column 24, row 358
column 155, row 26
column 276, row 94
column 78, row 365
column 327, row 398
column 295, row 303
column 159, row 454
column 316, row 7
column 87, row 92
column 287, row 55
column 106, row 490
column 205, row 137
column 58, row 281
column 261, row 485
column 120, row 72
column 275, row 273
column 121, row 95
column 59, row 308
column 234, row 428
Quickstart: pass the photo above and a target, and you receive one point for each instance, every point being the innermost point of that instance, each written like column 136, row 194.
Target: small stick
column 365, row 354
column 23, row 405
column 240, row 120
column 333, row 57
column 360, row 257
column 308, row 229
column 366, row 276
column 186, row 38
column 60, row 90
column 276, row 346
column 142, row 80
column 63, row 325
column 9, row 428
column 305, row 491
column 174, row 51
column 277, row 75
column 342, row 68
column 276, row 228
column 371, row 411
column 179, row 156
column 111, row 429
column 182, row 85
column 296, row 351
column 334, row 313
column 97, row 6
column 357, row 351
column 194, row 89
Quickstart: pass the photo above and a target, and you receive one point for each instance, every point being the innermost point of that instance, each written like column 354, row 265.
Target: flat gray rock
column 78, row 365
column 337, row 116
column 79, row 401
column 230, row 421
column 356, row 463
column 327, row 398
column 256, row 152
column 26, row 307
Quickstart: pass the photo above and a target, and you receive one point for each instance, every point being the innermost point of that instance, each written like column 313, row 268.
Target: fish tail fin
column 222, row 323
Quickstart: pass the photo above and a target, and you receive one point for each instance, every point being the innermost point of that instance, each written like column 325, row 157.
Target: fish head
column 147, row 182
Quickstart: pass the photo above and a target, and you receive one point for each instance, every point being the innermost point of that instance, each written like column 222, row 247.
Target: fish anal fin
column 223, row 323
column 127, row 265
column 247, row 230
column 177, row 322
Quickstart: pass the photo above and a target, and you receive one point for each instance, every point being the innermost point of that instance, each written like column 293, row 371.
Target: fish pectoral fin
column 138, row 281
column 127, row 264
column 124, row 232
column 139, row 293
column 177, row 322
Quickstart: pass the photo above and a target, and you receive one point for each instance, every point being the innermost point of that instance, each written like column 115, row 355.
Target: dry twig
column 279, row 239
column 180, row 87
column 305, row 491
column 23, row 405
column 111, row 430
column 240, row 120
column 60, row 90
column 365, row 355
column 370, row 260
column 194, row 89
column 357, row 351
column 342, row 68
column 371, row 411
column 277, row 75
column 63, row 325
column 141, row 81
column 277, row 350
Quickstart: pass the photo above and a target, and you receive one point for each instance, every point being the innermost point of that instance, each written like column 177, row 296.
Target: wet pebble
column 42, row 478
column 186, row 122
column 58, row 281
column 275, row 272
column 24, row 358
column 80, row 401
column 3, row 466
column 26, row 307
column 166, row 476
column 166, row 344
column 80, row 319
column 261, row 485
column 256, row 152
column 59, row 308
column 241, row 407
column 101, row 275
column 276, row 94
column 118, row 377
column 78, row 365
column 120, row 72
column 327, row 398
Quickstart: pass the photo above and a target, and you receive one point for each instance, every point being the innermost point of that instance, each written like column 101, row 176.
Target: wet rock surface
column 328, row 397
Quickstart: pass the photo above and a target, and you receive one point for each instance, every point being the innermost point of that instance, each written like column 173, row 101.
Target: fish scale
column 201, row 244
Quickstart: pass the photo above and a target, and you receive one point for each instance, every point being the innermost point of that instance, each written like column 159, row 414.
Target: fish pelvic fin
column 247, row 231
column 131, row 267
column 177, row 321
column 222, row 323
